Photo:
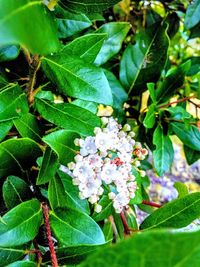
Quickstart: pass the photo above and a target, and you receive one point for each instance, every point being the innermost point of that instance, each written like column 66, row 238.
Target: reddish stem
column 45, row 211
column 152, row 204
column 127, row 230
column 177, row 101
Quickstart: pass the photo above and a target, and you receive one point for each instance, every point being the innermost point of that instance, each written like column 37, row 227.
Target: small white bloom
column 127, row 128
column 97, row 208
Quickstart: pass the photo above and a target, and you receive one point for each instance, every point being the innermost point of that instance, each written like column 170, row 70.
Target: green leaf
column 190, row 136
column 181, row 189
column 68, row 116
column 86, row 47
column 107, row 209
column 19, row 229
column 195, row 65
column 5, row 128
column 173, row 80
column 88, row 6
column 62, row 142
column 176, row 214
column 150, row 249
column 27, row 126
column 17, row 155
column 163, row 154
column 13, row 103
column 72, row 227
column 143, row 62
column 192, row 17
column 151, row 88
column 9, row 255
column 71, row 254
column 8, row 53
column 72, row 198
column 69, row 23
column 116, row 32
column 18, row 16
column 48, row 167
column 3, row 80
column 91, row 106
column 77, row 78
column 191, row 155
column 150, row 117
column 22, row 264
column 15, row 191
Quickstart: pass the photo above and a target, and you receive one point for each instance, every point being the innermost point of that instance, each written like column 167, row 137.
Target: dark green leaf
column 191, row 155
column 15, row 191
column 48, row 167
column 150, row 249
column 72, row 227
column 151, row 88
column 179, row 113
column 107, row 209
column 116, row 32
column 73, row 200
column 22, row 264
column 8, row 255
column 68, row 116
column 143, row 62
column 91, row 106
column 27, row 126
column 13, row 103
column 18, row 16
column 173, row 80
column 150, row 117
column 192, row 17
column 88, row 6
column 8, row 53
column 71, row 254
column 195, row 66
column 195, row 31
column 86, row 47
column 176, row 214
column 190, row 136
column 17, row 155
column 62, row 142
column 3, row 81
column 17, row 229
column 69, row 23
column 5, row 128
column 181, row 189
column 163, row 154
column 77, row 78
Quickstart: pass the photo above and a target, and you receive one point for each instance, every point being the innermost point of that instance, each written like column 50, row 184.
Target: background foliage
column 63, row 65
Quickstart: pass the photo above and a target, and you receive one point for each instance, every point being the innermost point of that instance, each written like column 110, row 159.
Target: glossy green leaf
column 62, row 142
column 86, row 47
column 13, row 103
column 72, row 198
column 150, row 117
column 72, row 227
column 48, row 167
column 68, row 116
column 173, row 80
column 150, row 249
column 91, row 106
column 22, row 264
column 18, row 16
column 176, row 214
column 191, row 155
column 116, row 33
column 195, row 65
column 88, row 6
column 17, row 155
column 143, row 62
column 19, row 229
column 8, row 53
column 151, row 89
column 69, row 23
column 192, row 17
column 71, row 254
column 181, row 189
column 11, row 254
column 27, row 126
column 15, row 191
column 77, row 78
column 190, row 136
column 163, row 154
column 107, row 209
column 195, row 31
column 5, row 128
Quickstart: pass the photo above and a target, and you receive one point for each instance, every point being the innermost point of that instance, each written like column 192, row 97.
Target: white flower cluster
column 107, row 159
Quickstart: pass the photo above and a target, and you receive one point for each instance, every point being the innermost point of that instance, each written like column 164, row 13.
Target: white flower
column 109, row 173
column 102, row 141
column 83, row 170
column 88, row 147
column 97, row 208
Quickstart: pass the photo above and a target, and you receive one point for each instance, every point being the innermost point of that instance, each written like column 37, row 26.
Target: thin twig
column 152, row 204
column 177, row 101
column 127, row 230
